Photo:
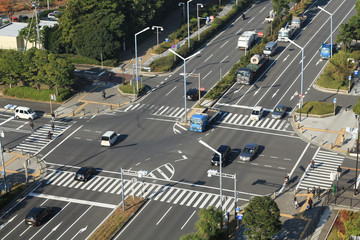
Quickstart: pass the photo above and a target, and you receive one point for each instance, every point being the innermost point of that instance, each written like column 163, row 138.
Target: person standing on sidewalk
column 52, row 116
column 310, row 202
column 339, row 171
column 296, row 203
column 318, row 192
column 103, row 94
column 342, row 140
column 32, row 126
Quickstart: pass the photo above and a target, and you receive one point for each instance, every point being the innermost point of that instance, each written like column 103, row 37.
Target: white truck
column 286, row 33
column 271, row 17
column 246, row 39
column 297, row 21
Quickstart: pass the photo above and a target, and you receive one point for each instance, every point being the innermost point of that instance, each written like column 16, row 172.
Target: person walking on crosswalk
column 49, row 135
column 32, row 126
column 52, row 116
column 312, row 164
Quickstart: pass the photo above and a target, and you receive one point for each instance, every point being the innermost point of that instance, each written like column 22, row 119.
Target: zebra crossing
column 244, row 120
column 325, row 163
column 39, row 139
column 157, row 192
column 165, row 171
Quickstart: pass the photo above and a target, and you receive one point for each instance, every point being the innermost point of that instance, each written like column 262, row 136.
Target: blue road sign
column 173, row 46
column 166, row 40
column 356, row 72
column 237, row 209
column 2, row 172
column 349, row 77
column 139, row 58
column 207, row 19
column 334, row 100
column 239, row 216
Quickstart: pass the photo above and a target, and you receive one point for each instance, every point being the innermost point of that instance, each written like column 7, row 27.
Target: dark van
column 37, row 216
column 225, row 152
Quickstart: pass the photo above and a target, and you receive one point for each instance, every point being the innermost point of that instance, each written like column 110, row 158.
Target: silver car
column 279, row 111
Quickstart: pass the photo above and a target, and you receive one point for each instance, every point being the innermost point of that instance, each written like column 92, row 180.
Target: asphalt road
column 151, row 139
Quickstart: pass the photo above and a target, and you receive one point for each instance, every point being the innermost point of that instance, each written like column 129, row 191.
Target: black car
column 84, row 173
column 249, row 152
column 192, row 94
column 225, row 156
column 37, row 216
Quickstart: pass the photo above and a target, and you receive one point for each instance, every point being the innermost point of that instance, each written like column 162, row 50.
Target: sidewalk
column 15, row 165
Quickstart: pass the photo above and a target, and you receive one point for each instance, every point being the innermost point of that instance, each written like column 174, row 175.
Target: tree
column 9, row 7
column 279, row 6
column 339, row 65
column 11, row 67
column 209, row 223
column 262, row 218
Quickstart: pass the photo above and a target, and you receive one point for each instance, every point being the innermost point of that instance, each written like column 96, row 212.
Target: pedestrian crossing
column 39, row 139
column 244, row 120
column 165, row 171
column 157, row 192
column 325, row 163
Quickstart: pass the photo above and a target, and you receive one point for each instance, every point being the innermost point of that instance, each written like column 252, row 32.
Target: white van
column 108, row 138
column 270, row 48
column 25, row 113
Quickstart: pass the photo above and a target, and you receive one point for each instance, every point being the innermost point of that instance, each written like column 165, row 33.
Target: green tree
column 280, row 5
column 339, row 66
column 262, row 218
column 11, row 67
column 191, row 236
column 209, row 223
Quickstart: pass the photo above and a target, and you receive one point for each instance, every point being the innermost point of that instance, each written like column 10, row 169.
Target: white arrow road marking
column 182, row 159
column 274, row 94
column 74, row 222
column 52, row 230
column 80, row 231
column 10, row 220
column 286, row 58
column 257, row 91
column 301, row 59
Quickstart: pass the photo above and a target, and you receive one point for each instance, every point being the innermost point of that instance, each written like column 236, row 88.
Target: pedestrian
column 318, row 192
column 286, row 179
column 296, row 203
column 313, row 192
column 52, row 116
column 243, row 16
column 52, row 126
column 103, row 94
column 310, row 202
column 49, row 136
column 342, row 139
column 312, row 164
column 32, row 126
column 339, row 171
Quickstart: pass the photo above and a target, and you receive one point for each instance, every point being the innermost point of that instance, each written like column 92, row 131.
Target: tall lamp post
column 188, row 22
column 184, row 59
column 183, row 4
column 302, row 74
column 136, row 58
column 2, row 160
column 331, row 29
column 212, row 149
column 157, row 32
column 198, row 19
column 140, row 174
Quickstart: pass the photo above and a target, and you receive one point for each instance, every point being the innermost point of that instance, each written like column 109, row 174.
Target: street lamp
column 2, row 160
column 157, row 32
column 302, row 74
column 331, row 29
column 220, row 157
column 136, row 59
column 188, row 22
column 213, row 172
column 184, row 59
column 198, row 76
column 183, row 4
column 198, row 19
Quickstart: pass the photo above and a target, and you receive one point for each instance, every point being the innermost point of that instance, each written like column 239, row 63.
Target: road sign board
column 300, row 95
column 166, row 40
column 261, row 34
column 202, row 89
column 356, row 72
column 173, row 46
column 239, row 216
column 2, row 172
column 211, row 18
column 237, row 209
column 207, row 18
column 140, row 59
column 349, row 77
column 334, row 100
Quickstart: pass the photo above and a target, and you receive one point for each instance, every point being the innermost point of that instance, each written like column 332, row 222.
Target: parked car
column 249, row 152
column 225, row 156
column 192, row 94
column 257, row 113
column 38, row 215
column 84, row 173
column 25, row 113
column 279, row 111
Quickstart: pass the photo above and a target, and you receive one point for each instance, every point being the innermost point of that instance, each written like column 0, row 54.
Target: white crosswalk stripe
column 39, row 139
column 244, row 120
column 165, row 111
column 156, row 192
column 325, row 163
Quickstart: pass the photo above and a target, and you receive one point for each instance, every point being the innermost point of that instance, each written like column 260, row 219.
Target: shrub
column 127, row 88
column 316, row 108
column 38, row 95
column 77, row 59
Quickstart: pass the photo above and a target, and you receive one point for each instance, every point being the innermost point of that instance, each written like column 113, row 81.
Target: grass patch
column 38, row 95
column 117, row 219
column 327, row 82
column 316, row 108
column 129, row 89
column 6, row 198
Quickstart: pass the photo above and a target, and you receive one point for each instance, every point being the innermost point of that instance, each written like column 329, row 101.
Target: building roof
column 12, row 29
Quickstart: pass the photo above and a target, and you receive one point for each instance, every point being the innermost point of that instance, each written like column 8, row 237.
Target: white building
column 9, row 35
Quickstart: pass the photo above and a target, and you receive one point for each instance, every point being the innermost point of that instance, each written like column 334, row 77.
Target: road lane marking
column 208, row 58
column 224, row 44
column 207, row 74
column 188, row 220
column 72, row 200
column 171, row 91
column 164, row 215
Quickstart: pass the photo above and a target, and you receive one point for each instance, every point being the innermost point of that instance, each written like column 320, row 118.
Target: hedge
column 39, row 95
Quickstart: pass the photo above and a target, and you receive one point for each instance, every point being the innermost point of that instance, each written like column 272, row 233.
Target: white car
column 257, row 113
